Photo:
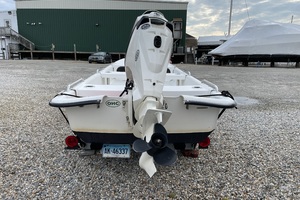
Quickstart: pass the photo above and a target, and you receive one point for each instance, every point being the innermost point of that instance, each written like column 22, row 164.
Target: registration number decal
column 116, row 151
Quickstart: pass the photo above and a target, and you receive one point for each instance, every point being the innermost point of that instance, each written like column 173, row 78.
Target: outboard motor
column 146, row 62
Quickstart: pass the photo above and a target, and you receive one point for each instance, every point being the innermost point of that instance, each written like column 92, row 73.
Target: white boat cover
column 258, row 37
column 212, row 40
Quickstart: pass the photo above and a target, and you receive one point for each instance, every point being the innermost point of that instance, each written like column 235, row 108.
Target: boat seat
column 113, row 77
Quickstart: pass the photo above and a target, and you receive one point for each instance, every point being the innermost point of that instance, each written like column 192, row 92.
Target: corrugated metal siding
column 66, row 27
column 102, row 4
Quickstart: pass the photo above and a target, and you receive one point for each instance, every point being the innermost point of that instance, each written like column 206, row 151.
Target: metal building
column 82, row 27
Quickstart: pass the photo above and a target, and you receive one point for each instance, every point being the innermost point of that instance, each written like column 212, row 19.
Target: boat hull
column 107, row 122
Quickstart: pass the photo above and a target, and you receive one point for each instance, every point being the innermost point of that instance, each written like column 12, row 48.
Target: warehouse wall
column 110, row 29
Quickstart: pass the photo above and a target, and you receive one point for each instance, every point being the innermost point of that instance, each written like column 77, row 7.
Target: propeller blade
column 140, row 145
column 146, row 162
column 165, row 156
column 159, row 128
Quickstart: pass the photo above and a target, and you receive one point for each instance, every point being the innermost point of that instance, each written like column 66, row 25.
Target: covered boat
column 264, row 41
column 143, row 102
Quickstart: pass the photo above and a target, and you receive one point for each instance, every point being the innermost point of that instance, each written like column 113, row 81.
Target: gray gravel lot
column 254, row 153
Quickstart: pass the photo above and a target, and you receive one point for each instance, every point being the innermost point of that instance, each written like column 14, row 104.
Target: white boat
column 261, row 41
column 143, row 102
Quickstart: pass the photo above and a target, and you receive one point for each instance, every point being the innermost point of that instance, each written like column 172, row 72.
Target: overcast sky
column 211, row 17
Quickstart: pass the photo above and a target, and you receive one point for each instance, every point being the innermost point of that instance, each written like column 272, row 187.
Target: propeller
column 156, row 150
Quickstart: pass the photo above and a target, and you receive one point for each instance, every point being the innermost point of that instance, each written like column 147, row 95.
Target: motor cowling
column 148, row 55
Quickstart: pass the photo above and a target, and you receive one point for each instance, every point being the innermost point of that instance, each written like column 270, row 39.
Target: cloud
column 6, row 5
column 206, row 17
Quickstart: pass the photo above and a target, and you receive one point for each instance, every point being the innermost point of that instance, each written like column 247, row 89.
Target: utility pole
column 230, row 13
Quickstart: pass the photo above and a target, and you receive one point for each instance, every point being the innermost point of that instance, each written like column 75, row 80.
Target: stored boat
column 142, row 102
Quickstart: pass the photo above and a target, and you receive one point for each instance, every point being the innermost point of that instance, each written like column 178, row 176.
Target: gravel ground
column 254, row 153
